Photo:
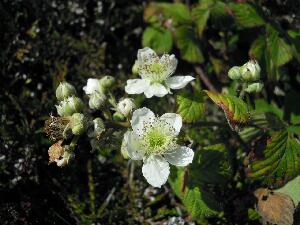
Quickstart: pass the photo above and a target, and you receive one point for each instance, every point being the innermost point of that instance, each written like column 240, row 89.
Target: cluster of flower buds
column 248, row 73
column 96, row 89
column 71, row 122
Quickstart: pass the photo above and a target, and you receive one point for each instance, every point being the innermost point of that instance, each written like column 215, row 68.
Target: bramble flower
column 250, row 71
column 125, row 106
column 156, row 75
column 58, row 154
column 154, row 140
column 93, row 85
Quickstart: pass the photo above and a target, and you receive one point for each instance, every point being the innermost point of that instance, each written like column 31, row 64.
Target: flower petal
column 180, row 156
column 135, row 150
column 174, row 120
column 92, row 86
column 156, row 89
column 169, row 62
column 177, row 82
column 156, row 170
column 146, row 56
column 136, row 86
column 139, row 118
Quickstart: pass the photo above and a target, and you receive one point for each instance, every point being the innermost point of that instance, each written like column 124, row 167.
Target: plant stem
column 91, row 186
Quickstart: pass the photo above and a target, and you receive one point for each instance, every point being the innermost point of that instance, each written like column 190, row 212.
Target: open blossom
column 155, row 75
column 154, row 140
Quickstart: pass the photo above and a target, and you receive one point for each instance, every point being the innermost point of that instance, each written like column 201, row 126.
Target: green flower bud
column 78, row 123
column 234, row 73
column 97, row 100
column 135, row 68
column 126, row 106
column 255, row 87
column 107, row 82
column 117, row 116
column 64, row 90
column 124, row 146
column 66, row 157
column 69, row 106
column 99, row 127
column 250, row 71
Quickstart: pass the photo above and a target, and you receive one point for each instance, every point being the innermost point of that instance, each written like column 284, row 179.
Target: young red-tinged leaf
column 235, row 109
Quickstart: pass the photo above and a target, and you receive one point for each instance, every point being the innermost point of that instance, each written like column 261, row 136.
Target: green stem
column 114, row 124
column 91, row 186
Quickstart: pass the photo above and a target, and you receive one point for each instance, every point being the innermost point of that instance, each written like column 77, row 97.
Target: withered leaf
column 274, row 208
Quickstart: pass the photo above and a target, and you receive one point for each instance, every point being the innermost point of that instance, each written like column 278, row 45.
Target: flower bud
column 99, row 127
column 250, row 71
column 135, row 68
column 93, row 85
column 117, row 116
column 124, row 146
column 66, row 157
column 107, row 82
column 126, row 106
column 69, row 106
column 255, row 87
column 97, row 100
column 64, row 90
column 78, row 123
column 234, row 73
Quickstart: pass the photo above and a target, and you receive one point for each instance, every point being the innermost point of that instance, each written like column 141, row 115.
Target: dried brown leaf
column 274, row 208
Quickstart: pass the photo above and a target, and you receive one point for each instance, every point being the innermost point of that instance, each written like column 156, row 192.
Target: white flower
column 93, row 85
column 154, row 140
column 156, row 75
column 126, row 106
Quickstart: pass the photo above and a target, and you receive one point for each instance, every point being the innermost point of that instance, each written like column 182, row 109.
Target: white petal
column 136, row 86
column 146, row 56
column 156, row 89
column 174, row 120
column 139, row 118
column 177, row 82
column 135, row 150
column 170, row 63
column 180, row 156
column 156, row 170
column 91, row 86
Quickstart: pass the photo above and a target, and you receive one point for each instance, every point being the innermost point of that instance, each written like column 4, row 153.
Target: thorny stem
column 91, row 186
column 114, row 124
column 205, row 79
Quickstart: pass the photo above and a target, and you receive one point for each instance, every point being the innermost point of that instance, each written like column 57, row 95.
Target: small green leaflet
column 292, row 189
column 190, row 106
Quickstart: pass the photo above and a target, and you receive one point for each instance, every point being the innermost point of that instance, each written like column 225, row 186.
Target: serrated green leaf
column 200, row 16
column 294, row 36
column 159, row 39
column 198, row 202
column 246, row 15
column 190, row 106
column 188, row 45
column 235, row 109
column 292, row 189
column 280, row 161
column 211, row 166
column 278, row 52
column 179, row 12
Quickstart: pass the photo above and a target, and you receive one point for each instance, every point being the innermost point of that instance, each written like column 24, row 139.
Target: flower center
column 155, row 72
column 158, row 138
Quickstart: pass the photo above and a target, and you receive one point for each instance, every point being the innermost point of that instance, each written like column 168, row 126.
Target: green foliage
column 211, row 167
column 198, row 202
column 292, row 189
column 200, row 16
column 159, row 39
column 246, row 15
column 235, row 109
column 179, row 12
column 279, row 162
column 188, row 44
column 190, row 106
